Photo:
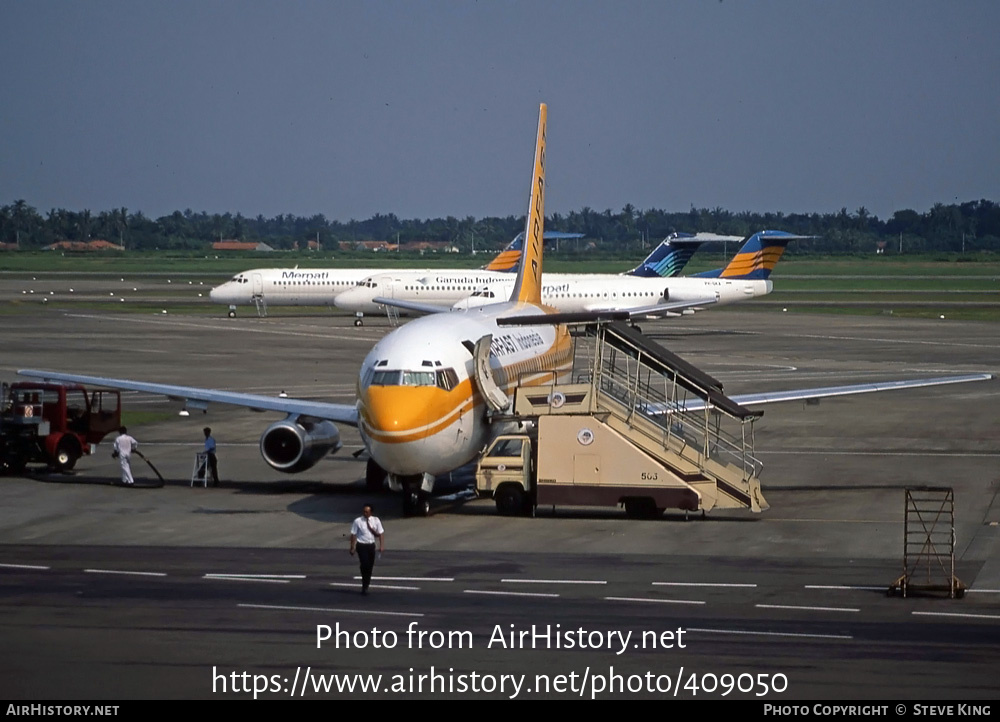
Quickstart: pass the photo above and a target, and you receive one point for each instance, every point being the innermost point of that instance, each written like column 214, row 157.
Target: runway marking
column 233, row 578
column 375, row 586
column 256, row 576
column 843, row 587
column 654, row 601
column 509, row 594
column 957, row 614
column 747, row 632
column 977, row 591
column 412, row 579
column 22, row 566
column 201, row 326
column 552, row 581
column 329, row 609
column 122, row 571
column 807, row 609
column 701, row 584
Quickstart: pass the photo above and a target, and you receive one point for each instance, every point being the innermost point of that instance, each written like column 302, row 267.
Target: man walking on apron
column 365, row 530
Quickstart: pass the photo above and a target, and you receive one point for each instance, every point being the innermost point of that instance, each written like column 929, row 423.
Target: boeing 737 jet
column 424, row 388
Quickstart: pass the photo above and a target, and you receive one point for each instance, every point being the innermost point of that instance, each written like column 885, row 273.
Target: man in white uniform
column 123, row 447
column 365, row 530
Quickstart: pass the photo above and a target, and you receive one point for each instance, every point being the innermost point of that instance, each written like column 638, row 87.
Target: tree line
column 966, row 227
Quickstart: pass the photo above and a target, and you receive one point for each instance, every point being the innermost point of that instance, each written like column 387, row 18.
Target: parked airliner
column 423, row 390
column 745, row 277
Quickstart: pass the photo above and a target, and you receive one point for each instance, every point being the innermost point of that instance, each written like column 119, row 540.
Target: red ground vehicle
column 53, row 423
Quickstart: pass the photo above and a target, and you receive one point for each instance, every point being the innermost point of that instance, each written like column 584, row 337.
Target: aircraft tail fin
column 757, row 258
column 668, row 258
column 507, row 260
column 528, row 287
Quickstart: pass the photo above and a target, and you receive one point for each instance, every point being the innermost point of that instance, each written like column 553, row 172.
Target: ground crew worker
column 123, row 447
column 213, row 464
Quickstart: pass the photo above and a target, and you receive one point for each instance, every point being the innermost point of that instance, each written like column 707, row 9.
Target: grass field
column 912, row 286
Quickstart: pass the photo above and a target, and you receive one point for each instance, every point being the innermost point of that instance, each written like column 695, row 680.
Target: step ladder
column 200, row 472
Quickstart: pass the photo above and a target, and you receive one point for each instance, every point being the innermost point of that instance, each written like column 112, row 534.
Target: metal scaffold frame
column 929, row 543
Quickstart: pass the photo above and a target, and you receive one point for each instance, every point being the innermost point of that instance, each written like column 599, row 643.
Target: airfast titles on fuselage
column 419, row 408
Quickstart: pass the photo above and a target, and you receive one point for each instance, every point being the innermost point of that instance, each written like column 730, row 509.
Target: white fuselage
column 564, row 292
column 288, row 286
column 420, row 408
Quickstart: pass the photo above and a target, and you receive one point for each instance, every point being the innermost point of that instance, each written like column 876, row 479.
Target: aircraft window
column 507, row 447
column 418, row 378
column 385, row 378
column 447, row 379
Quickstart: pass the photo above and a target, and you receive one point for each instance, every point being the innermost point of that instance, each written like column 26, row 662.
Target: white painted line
column 257, row 576
column 374, row 586
column 845, row 586
column 655, row 601
column 508, row 594
column 807, row 609
column 957, row 614
column 413, row 579
column 748, row 632
column 22, row 566
column 553, row 581
column 977, row 591
column 217, row 578
column 701, row 584
column 329, row 609
column 121, row 571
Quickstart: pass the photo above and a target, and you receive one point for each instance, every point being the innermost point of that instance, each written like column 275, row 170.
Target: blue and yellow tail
column 528, row 287
column 507, row 260
column 757, row 258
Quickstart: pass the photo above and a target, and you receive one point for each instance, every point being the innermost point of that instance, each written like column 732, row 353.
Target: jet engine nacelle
column 294, row 446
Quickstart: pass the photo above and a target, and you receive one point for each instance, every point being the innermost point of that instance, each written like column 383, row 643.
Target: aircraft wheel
column 358, row 322
column 232, row 314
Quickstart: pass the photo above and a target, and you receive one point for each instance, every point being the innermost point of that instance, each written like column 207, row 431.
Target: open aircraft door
column 494, row 396
column 258, row 284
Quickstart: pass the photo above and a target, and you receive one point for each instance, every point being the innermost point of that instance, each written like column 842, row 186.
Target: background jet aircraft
column 263, row 287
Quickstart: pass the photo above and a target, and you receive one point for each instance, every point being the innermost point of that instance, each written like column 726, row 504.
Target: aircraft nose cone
column 397, row 413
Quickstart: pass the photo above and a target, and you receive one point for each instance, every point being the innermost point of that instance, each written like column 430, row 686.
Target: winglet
column 528, row 287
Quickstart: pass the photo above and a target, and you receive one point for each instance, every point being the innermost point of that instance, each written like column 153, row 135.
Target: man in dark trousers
column 365, row 530
column 213, row 463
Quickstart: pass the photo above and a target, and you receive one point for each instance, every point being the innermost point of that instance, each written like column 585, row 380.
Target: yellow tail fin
column 528, row 288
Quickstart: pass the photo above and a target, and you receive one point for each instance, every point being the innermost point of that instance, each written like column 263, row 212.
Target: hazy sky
column 428, row 109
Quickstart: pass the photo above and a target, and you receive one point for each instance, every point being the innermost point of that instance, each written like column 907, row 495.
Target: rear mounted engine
column 293, row 446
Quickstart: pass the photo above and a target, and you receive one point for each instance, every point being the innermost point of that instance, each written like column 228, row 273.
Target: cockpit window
column 385, row 378
column 445, row 379
column 418, row 378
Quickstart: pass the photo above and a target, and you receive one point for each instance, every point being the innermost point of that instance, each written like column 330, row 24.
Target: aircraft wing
column 197, row 398
column 411, row 305
column 770, row 397
column 672, row 308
